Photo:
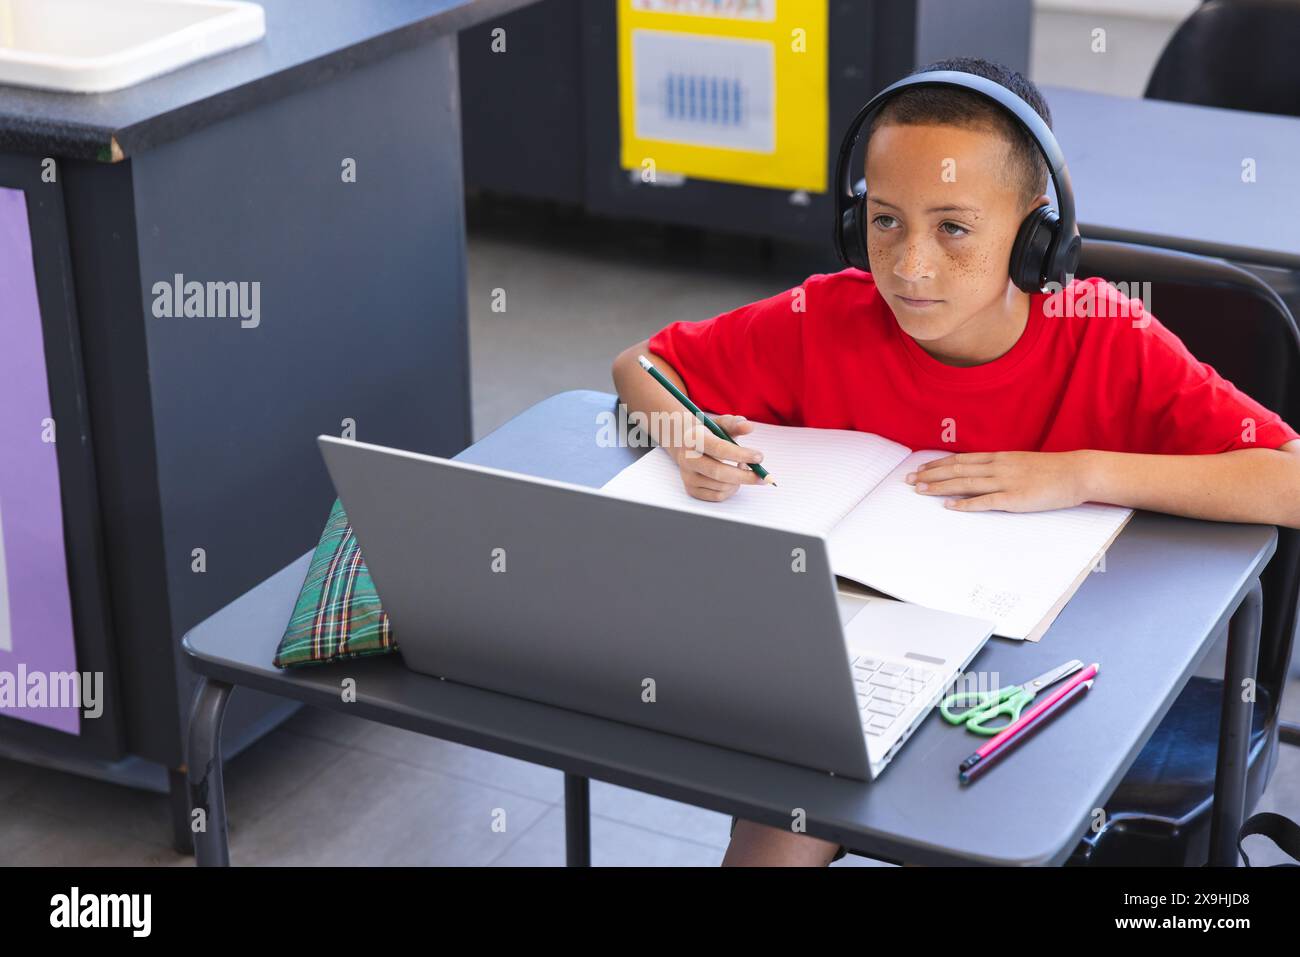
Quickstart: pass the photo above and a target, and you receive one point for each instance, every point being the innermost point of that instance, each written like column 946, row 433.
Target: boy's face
column 941, row 219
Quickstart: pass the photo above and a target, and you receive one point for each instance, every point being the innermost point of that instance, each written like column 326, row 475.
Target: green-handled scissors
column 982, row 706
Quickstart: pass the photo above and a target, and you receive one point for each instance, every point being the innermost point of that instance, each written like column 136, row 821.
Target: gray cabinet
column 542, row 120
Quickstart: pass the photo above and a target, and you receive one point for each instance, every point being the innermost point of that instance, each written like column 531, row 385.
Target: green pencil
column 713, row 427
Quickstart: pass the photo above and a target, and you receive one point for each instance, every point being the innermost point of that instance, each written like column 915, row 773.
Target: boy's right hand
column 700, row 458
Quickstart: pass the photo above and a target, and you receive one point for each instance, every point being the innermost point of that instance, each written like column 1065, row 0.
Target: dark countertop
column 307, row 43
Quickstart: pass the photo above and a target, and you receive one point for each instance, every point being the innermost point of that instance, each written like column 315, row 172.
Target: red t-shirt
column 1107, row 379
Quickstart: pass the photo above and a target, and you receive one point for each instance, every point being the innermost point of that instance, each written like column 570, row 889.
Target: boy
column 1043, row 407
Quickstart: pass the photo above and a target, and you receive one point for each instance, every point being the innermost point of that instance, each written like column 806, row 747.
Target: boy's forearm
column 1246, row 485
column 641, row 393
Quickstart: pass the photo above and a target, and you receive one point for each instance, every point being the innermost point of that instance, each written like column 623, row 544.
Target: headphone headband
column 1062, row 256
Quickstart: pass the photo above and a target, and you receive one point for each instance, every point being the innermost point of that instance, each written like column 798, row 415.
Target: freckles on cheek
column 971, row 265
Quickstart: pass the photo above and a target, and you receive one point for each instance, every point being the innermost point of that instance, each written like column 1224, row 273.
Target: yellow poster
column 727, row 90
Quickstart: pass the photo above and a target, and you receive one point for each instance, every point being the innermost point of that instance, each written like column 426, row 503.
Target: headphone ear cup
column 1067, row 259
column 1029, row 266
column 853, row 237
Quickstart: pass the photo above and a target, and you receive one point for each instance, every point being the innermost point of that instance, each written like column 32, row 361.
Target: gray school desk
column 1170, row 175
column 1169, row 587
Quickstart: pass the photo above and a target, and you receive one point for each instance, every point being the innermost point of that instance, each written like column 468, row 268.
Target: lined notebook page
column 1009, row 567
column 820, row 474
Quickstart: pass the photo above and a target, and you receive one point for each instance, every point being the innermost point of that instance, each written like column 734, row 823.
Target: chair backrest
column 1235, row 54
column 1233, row 321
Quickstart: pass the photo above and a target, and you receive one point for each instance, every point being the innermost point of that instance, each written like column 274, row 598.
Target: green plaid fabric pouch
column 337, row 614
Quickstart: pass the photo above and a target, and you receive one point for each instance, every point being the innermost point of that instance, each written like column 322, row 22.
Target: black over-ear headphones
column 1046, row 248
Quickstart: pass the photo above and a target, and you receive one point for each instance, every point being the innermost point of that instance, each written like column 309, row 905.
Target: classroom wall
column 1136, row 31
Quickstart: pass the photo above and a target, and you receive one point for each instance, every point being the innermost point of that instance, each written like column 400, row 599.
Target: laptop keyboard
column 886, row 689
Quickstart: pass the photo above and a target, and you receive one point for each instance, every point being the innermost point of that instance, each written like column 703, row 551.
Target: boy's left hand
column 1007, row 481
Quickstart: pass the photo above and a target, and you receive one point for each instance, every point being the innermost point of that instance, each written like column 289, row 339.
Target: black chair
column 1232, row 320
column 1235, row 54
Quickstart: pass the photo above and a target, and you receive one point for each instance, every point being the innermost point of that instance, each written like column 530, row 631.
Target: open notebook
column 1017, row 569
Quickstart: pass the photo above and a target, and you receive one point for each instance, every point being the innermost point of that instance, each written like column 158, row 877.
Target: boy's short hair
column 951, row 106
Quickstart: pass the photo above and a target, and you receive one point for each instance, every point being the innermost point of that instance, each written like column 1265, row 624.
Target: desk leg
column 178, row 793
column 1234, row 730
column 577, row 821
column 211, row 845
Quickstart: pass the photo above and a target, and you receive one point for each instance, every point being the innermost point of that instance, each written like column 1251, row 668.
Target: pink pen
column 1025, row 721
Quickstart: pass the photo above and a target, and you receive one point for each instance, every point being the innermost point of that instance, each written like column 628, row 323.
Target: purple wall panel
column 35, row 610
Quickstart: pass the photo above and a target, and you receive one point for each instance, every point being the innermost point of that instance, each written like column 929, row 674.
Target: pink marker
column 1012, row 731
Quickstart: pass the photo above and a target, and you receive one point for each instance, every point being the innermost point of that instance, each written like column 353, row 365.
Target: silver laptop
column 705, row 627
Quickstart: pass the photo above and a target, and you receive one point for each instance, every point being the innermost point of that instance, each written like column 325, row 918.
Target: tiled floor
column 329, row 789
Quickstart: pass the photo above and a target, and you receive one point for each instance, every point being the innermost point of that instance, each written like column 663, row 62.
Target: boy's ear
column 1042, row 200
